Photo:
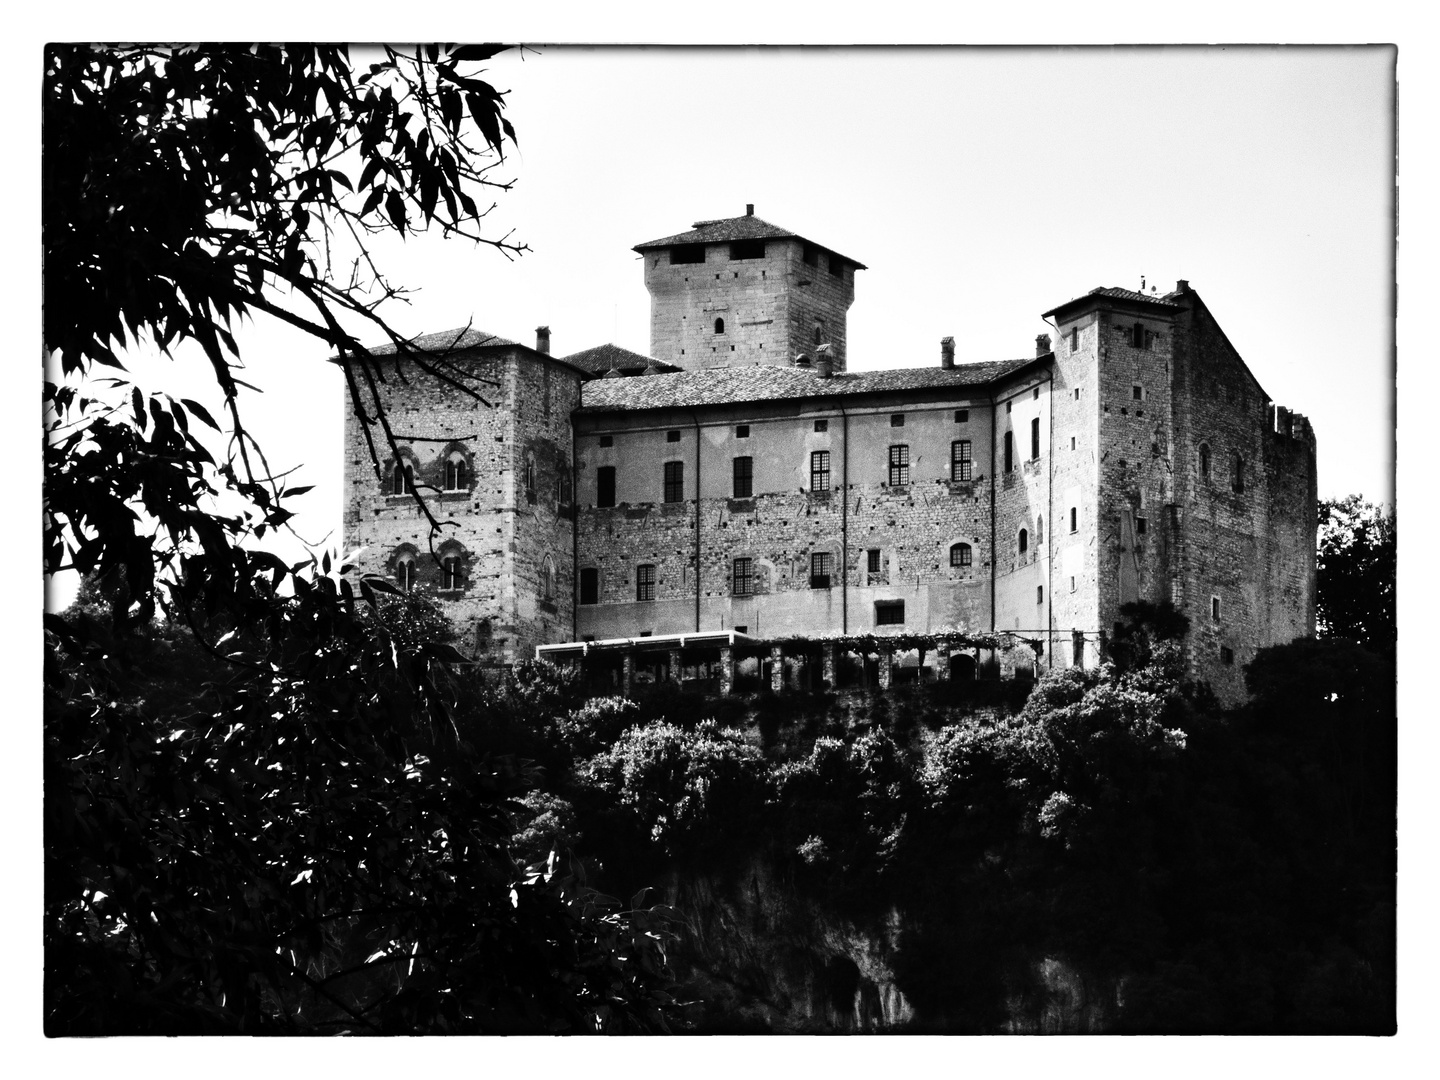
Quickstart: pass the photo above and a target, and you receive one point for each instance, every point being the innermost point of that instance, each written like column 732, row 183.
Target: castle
column 742, row 487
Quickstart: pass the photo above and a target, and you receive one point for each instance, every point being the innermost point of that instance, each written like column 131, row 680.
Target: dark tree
column 270, row 804
column 1355, row 572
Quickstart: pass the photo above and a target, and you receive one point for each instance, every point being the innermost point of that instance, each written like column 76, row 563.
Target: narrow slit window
column 1009, row 452
column 1035, row 439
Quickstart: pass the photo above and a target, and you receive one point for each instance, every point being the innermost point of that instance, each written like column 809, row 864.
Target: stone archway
column 962, row 667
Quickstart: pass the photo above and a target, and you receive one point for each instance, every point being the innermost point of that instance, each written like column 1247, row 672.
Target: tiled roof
column 721, row 230
column 602, row 358
column 721, row 386
column 445, row 340
column 1113, row 292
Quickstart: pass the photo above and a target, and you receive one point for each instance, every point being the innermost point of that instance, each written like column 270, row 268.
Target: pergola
column 708, row 662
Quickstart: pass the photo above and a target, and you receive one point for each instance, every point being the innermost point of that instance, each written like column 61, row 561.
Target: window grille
column 899, row 464
column 744, row 577
column 820, row 470
column 962, row 464
column 744, row 476
column 645, row 582
column 674, row 481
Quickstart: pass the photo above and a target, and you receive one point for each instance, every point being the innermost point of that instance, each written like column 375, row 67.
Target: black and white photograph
column 718, row 540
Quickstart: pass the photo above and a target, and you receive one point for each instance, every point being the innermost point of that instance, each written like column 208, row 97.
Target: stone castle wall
column 770, row 306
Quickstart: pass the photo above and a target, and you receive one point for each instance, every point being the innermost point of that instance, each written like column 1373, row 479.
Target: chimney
column 824, row 361
column 1042, row 344
column 947, row 352
column 749, row 209
column 542, row 339
column 802, row 360
column 1182, row 286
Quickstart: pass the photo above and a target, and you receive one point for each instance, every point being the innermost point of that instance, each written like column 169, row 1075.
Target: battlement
column 1291, row 425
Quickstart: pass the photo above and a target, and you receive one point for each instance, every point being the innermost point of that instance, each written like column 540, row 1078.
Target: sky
column 980, row 186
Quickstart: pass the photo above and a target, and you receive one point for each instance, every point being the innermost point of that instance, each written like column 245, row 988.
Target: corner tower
column 740, row 291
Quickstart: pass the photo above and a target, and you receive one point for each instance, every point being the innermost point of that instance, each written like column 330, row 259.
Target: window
column 1072, row 582
column 1072, row 442
column 530, row 476
column 1039, row 530
column 1204, row 463
column 687, row 253
column 1074, row 519
column 1137, row 393
column 960, row 555
column 744, row 577
column 819, row 333
column 742, row 431
column 674, row 481
column 744, row 470
column 1007, row 407
column 1214, row 609
column 837, row 266
column 822, row 425
column 1074, row 339
column 645, row 581
column 747, row 249
column 1138, row 336
column 452, row 575
column 899, row 465
column 1237, row 479
column 962, row 464
column 562, row 488
column 1009, row 452
column 1140, row 525
column 1227, row 655
column 547, row 579
column 402, row 479
column 1039, row 594
column 606, row 440
column 605, row 485
column 1023, row 544
column 889, row 612
column 810, row 256
column 897, row 419
column 872, row 561
column 1035, row 393
column 455, row 478
column 1035, row 439
column 405, row 572
column 672, row 436
column 719, row 326
column 589, row 585
column 820, row 564
column 962, row 416
column 820, row 470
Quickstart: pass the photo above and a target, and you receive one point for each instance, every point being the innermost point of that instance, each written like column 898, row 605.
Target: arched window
column 1039, row 530
column 453, row 572
column 547, row 579
column 1204, row 463
column 405, row 572
column 456, row 477
column 1237, row 479
column 960, row 555
column 819, row 333
column 1024, row 541
column 719, row 326
column 402, row 478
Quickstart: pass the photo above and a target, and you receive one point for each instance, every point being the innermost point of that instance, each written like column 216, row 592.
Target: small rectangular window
column 837, row 266
column 674, row 481
column 1137, row 393
column 687, row 253
column 645, row 582
column 1009, row 452
column 1072, row 442
column 1140, row 525
column 607, row 440
column 962, row 464
column 820, row 566
column 1007, row 407
column 747, row 249
column 822, row 425
column 744, row 473
column 1227, row 656
column 1214, row 609
column 742, row 629
column 1074, row 339
column 744, row 579
column 1072, row 582
column 820, row 470
column 1077, row 393
column 962, row 416
column 872, row 561
column 1035, row 439
column 1074, row 519
column 899, row 465
column 1035, row 393
column 897, row 419
column 672, row 436
column 589, row 585
column 1039, row 594
column 742, row 431
column 605, row 485
column 889, row 612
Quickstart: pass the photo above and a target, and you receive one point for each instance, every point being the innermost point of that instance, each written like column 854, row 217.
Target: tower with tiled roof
column 740, row 291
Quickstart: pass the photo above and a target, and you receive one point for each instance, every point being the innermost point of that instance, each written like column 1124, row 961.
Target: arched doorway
column 962, row 668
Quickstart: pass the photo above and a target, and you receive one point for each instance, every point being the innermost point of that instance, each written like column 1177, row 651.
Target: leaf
column 476, row 53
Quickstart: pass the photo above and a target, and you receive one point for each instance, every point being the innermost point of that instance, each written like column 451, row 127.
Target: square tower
column 740, row 291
